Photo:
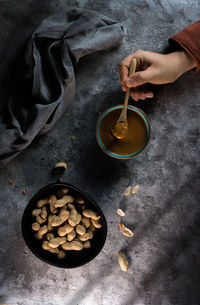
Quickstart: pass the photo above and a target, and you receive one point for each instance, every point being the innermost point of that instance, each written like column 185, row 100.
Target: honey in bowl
column 137, row 136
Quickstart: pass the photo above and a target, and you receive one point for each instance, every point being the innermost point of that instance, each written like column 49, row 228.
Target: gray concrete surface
column 165, row 213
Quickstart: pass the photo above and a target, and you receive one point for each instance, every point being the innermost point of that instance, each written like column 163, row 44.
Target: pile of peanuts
column 63, row 223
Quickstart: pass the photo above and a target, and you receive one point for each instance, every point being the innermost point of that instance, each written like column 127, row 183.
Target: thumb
column 139, row 78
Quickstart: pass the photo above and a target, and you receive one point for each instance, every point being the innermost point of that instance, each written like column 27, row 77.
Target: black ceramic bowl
column 73, row 258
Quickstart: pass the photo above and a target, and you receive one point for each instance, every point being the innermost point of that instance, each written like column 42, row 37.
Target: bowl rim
column 36, row 196
column 145, row 119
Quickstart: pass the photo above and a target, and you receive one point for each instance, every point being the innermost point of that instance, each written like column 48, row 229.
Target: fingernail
column 149, row 95
column 131, row 82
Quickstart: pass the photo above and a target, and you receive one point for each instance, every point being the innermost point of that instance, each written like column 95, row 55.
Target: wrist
column 185, row 60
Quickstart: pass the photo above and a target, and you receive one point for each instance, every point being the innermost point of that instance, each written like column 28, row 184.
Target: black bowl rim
column 33, row 199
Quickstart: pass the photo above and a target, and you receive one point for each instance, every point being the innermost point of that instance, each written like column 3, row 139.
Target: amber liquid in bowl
column 135, row 138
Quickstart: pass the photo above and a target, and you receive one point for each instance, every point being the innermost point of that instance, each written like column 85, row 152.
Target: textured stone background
column 165, row 213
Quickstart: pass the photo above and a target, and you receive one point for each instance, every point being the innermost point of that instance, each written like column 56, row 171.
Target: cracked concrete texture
column 164, row 214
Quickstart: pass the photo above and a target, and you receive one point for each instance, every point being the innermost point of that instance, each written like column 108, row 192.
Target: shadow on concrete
column 100, row 168
column 167, row 262
column 186, row 291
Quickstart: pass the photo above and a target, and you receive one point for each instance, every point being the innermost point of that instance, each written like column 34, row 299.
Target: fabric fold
column 48, row 87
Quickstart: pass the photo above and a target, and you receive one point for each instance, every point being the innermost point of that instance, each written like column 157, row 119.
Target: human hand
column 153, row 68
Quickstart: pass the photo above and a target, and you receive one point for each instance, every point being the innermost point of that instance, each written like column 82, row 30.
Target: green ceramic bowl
column 142, row 115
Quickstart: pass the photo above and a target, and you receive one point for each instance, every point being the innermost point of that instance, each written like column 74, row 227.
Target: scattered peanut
column 120, row 212
column 59, row 168
column 127, row 191
column 135, row 189
column 123, row 262
column 11, row 181
column 63, row 164
column 127, row 232
column 25, row 191
column 121, row 225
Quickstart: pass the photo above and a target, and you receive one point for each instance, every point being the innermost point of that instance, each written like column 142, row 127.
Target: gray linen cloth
column 48, row 86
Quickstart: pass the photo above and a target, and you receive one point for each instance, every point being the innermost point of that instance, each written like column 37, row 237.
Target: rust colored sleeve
column 189, row 40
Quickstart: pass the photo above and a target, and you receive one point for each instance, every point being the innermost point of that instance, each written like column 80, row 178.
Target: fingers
column 123, row 74
column 140, row 78
column 123, row 69
column 139, row 94
column 145, row 74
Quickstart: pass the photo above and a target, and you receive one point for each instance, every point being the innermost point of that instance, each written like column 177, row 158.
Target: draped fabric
column 48, row 86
